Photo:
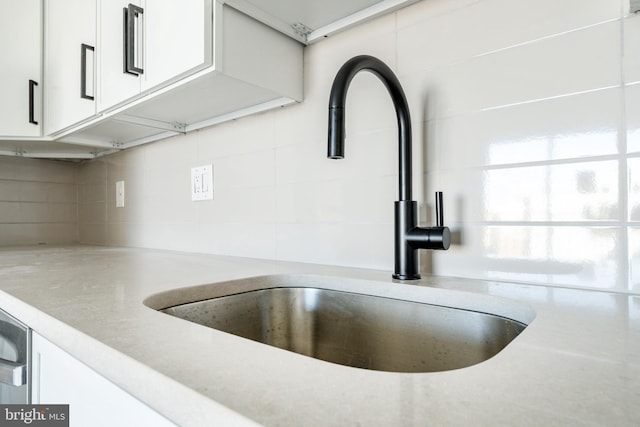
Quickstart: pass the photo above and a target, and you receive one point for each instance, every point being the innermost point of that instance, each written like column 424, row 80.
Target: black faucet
column 408, row 236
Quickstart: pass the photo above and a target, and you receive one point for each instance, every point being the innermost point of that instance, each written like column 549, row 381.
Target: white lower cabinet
column 59, row 378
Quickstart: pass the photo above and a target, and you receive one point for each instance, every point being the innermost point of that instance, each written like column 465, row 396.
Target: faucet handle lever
column 439, row 210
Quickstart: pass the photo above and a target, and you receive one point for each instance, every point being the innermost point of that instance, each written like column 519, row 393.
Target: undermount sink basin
column 357, row 330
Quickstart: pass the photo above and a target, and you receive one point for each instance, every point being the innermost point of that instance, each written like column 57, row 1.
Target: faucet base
column 407, row 263
column 406, row 276
column 409, row 238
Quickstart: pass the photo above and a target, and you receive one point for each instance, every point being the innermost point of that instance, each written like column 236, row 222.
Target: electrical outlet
column 202, row 183
column 119, row 194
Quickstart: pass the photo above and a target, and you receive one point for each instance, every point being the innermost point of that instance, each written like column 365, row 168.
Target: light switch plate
column 202, row 183
column 119, row 194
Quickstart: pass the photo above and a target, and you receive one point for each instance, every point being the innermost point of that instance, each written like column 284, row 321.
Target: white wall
column 526, row 115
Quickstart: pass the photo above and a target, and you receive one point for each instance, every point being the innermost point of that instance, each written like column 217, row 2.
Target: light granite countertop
column 577, row 363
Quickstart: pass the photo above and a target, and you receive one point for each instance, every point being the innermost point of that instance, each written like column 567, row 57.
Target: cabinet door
column 152, row 44
column 20, row 74
column 177, row 39
column 59, row 378
column 115, row 85
column 70, row 57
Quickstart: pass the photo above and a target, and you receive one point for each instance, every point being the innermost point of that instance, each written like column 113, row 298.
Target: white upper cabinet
column 21, row 71
column 146, row 44
column 177, row 40
column 115, row 83
column 205, row 63
column 70, row 63
column 119, row 73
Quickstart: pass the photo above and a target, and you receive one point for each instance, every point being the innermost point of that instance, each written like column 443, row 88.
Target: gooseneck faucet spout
column 337, row 100
column 408, row 236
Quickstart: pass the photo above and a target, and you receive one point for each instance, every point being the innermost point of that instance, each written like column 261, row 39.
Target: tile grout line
column 624, row 272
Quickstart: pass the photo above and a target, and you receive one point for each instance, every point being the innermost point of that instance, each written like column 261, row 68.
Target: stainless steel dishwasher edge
column 15, row 349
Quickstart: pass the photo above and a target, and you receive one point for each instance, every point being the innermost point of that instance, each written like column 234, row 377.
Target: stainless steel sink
column 357, row 330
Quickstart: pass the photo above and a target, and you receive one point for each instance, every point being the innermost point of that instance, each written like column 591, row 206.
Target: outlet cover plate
column 202, row 183
column 119, row 194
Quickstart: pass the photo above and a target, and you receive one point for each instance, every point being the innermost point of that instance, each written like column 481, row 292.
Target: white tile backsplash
column 633, row 201
column 632, row 118
column 631, row 62
column 587, row 257
column 571, row 63
column 633, row 235
column 583, row 191
column 38, row 202
column 524, row 114
column 569, row 127
column 440, row 32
